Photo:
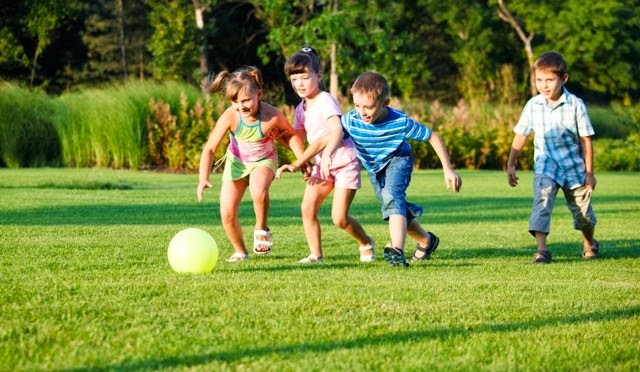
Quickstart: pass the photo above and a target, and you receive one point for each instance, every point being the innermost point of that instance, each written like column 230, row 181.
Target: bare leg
column 314, row 194
column 417, row 232
column 259, row 183
column 541, row 241
column 398, row 230
column 230, row 196
column 342, row 199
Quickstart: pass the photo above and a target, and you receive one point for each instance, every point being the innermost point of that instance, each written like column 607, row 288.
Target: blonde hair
column 246, row 78
column 373, row 85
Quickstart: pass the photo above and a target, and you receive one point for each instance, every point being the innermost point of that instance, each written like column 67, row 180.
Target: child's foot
column 262, row 242
column 592, row 251
column 367, row 253
column 424, row 253
column 395, row 256
column 311, row 259
column 237, row 257
column 542, row 257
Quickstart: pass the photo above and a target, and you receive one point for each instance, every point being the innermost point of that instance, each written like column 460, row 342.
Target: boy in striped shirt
column 380, row 135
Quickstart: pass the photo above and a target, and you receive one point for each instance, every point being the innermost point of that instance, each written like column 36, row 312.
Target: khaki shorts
column 544, row 196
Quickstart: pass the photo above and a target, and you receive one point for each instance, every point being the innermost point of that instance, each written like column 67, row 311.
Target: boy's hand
column 590, row 181
column 202, row 185
column 452, row 180
column 511, row 177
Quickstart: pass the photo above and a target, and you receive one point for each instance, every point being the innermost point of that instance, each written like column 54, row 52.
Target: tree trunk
column 506, row 16
column 123, row 54
column 204, row 63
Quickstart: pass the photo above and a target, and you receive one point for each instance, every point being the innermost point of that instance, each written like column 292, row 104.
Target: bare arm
column 206, row 158
column 451, row 178
column 587, row 151
column 316, row 147
column 517, row 144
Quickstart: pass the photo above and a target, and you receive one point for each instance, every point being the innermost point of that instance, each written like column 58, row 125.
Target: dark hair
column 245, row 78
column 305, row 60
column 551, row 61
column 373, row 85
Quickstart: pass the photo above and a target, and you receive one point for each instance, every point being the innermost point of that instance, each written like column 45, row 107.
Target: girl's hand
column 202, row 185
column 286, row 168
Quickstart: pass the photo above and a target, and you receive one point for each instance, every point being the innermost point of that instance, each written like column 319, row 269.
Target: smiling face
column 247, row 103
column 550, row 84
column 369, row 109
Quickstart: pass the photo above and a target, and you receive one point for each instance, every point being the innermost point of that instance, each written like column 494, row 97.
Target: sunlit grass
column 85, row 283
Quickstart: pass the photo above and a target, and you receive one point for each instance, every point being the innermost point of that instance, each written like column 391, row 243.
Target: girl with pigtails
column 251, row 159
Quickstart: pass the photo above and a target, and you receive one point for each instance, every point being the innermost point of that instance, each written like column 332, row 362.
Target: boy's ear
column 565, row 78
column 387, row 101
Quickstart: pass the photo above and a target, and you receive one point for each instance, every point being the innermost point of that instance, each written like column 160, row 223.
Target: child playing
column 563, row 155
column 316, row 117
column 380, row 136
column 251, row 157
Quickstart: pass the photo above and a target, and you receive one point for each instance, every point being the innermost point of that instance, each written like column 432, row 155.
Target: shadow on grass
column 286, row 351
column 437, row 210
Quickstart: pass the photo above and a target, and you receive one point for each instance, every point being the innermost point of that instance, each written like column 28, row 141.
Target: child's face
column 368, row 108
column 247, row 103
column 549, row 84
column 305, row 84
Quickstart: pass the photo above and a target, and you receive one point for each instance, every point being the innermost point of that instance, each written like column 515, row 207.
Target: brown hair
column 247, row 78
column 551, row 61
column 373, row 85
column 305, row 60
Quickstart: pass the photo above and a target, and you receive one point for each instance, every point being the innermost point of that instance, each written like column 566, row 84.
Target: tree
column 43, row 20
column 174, row 42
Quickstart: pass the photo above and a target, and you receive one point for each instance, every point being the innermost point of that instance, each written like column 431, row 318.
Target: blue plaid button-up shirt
column 557, row 153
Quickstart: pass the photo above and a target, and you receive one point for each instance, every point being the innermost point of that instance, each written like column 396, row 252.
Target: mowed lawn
column 85, row 283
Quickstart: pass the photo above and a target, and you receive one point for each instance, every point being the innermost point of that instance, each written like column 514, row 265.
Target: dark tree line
column 428, row 49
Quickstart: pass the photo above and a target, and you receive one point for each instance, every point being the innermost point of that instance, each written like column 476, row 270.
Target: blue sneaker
column 395, row 256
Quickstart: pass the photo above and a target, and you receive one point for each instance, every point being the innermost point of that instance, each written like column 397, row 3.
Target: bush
column 27, row 134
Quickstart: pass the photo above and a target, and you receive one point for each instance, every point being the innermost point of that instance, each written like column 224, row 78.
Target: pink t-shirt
column 314, row 122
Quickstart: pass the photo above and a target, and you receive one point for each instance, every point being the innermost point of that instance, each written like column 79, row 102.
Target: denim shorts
column 544, row 196
column 390, row 186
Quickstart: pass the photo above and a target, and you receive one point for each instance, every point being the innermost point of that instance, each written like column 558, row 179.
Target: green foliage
column 27, row 134
column 175, row 141
column 86, row 284
column 174, row 43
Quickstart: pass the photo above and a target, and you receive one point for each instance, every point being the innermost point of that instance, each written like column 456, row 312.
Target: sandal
column 428, row 250
column 591, row 252
column 395, row 256
column 369, row 247
column 311, row 259
column 237, row 257
column 262, row 243
column 543, row 257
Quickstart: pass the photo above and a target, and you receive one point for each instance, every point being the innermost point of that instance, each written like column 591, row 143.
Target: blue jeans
column 390, row 186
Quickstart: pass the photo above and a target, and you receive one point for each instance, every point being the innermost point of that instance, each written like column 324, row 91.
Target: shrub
column 175, row 141
column 27, row 134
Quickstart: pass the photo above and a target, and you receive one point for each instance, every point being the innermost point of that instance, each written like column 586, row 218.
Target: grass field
column 85, row 282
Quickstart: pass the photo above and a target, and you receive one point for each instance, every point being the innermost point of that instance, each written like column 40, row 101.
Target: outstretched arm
column 206, row 158
column 516, row 147
column 451, row 178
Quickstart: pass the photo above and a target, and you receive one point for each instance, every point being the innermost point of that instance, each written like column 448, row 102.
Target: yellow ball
column 193, row 251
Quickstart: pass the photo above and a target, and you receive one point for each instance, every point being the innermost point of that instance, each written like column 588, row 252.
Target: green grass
column 85, row 283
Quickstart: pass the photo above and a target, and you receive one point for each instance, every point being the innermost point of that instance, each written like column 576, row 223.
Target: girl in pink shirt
column 317, row 118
